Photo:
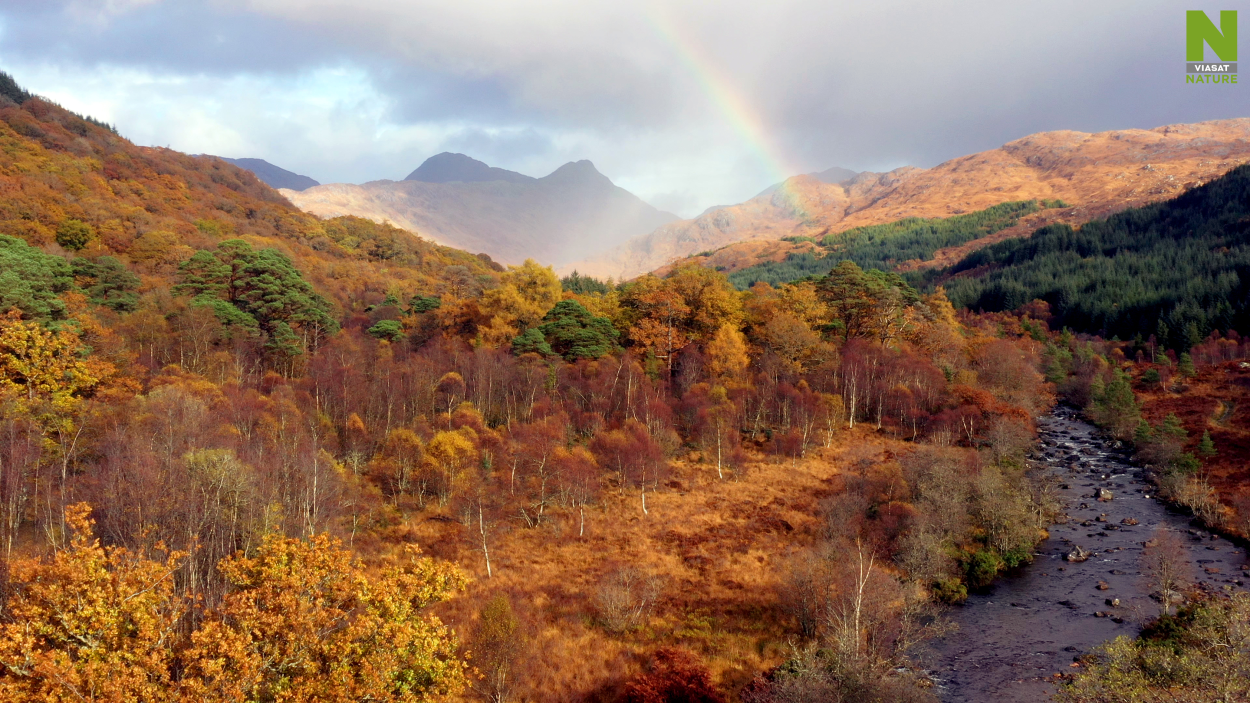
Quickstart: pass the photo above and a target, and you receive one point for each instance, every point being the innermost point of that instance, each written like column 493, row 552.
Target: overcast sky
column 687, row 104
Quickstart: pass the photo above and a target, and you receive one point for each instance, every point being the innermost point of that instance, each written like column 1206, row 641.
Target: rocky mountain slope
column 573, row 213
column 1094, row 174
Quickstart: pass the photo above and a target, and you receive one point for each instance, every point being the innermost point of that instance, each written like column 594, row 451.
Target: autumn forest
column 247, row 454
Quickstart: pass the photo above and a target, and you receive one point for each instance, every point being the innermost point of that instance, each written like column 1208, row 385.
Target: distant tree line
column 884, row 246
column 1178, row 269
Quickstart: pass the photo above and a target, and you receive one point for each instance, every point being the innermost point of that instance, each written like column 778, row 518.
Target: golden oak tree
column 90, row 623
column 306, row 622
column 524, row 295
column 38, row 364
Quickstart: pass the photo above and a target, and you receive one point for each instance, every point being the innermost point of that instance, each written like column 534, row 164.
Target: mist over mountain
column 273, row 176
column 837, row 174
column 834, row 175
column 571, row 213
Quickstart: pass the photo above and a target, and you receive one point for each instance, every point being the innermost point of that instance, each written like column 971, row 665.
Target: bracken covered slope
column 1095, row 174
column 152, row 208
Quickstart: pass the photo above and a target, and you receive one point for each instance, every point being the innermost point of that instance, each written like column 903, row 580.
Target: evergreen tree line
column 10, row 89
column 883, row 246
column 1178, row 269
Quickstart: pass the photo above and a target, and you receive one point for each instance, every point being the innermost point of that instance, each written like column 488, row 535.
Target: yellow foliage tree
column 305, row 622
column 37, row 364
column 524, row 295
column 690, row 305
column 727, row 357
column 450, row 452
column 89, row 624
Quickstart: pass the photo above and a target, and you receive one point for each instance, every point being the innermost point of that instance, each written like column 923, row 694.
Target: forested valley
column 248, row 454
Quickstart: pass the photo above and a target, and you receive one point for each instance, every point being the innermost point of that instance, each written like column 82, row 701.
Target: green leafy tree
column 1186, row 366
column 108, row 282
column 885, row 245
column 424, row 303
column 531, row 341
column 583, row 285
column 1180, row 263
column 264, row 289
column 1207, row 446
column 574, row 333
column 1201, row 653
column 1117, row 406
column 74, row 234
column 865, row 303
column 1171, row 428
column 1058, row 363
column 390, row 330
column 31, row 280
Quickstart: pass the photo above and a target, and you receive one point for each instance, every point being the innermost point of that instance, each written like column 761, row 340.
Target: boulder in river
column 1078, row 554
column 1103, row 495
column 1102, row 586
column 1128, row 521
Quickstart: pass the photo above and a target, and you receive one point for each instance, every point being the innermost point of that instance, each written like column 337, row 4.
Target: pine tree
column 1186, row 366
column 31, row 280
column 1171, row 428
column 531, row 341
column 258, row 289
column 572, row 332
column 1206, row 447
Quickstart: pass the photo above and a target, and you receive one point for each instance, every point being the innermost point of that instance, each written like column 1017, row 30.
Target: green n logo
column 1200, row 30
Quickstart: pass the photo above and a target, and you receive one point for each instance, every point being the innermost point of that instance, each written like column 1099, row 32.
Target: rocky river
column 1013, row 639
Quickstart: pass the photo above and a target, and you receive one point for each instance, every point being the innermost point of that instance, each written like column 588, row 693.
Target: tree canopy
column 31, row 280
column 1178, row 269
column 263, row 287
column 573, row 333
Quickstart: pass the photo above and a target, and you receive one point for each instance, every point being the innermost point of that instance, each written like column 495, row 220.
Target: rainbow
column 728, row 100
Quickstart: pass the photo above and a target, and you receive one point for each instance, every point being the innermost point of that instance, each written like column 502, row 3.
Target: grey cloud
column 526, row 86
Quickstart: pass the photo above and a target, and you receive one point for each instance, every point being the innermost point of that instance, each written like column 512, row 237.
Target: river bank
column 1013, row 638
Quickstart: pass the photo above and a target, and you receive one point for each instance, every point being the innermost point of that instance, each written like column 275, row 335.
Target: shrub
column 74, row 234
column 982, row 567
column 390, row 330
column 950, row 591
column 625, row 598
column 674, row 676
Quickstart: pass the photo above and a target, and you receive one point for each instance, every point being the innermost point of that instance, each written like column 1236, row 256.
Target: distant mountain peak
column 449, row 167
column 577, row 173
column 273, row 176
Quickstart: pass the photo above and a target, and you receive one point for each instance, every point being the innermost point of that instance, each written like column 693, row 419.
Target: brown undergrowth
column 717, row 547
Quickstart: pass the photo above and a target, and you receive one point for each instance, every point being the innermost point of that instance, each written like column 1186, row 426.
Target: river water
column 1031, row 624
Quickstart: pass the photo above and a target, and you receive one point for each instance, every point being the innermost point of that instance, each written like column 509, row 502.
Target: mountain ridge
column 449, row 167
column 572, row 212
column 1095, row 173
column 273, row 176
